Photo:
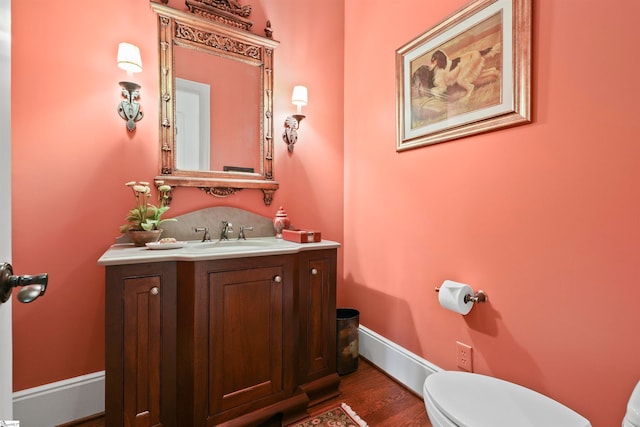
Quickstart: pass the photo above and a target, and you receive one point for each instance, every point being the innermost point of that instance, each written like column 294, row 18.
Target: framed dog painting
column 468, row 74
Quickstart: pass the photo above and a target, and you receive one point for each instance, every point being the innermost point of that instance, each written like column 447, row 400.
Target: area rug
column 340, row 416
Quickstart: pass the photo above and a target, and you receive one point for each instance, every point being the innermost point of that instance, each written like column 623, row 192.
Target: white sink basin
column 258, row 244
column 233, row 245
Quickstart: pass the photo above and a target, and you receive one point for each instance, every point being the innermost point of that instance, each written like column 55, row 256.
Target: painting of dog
column 466, row 71
column 469, row 73
column 458, row 76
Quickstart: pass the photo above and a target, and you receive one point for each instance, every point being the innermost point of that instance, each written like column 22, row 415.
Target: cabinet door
column 317, row 288
column 247, row 325
column 142, row 351
column 135, row 348
column 242, row 314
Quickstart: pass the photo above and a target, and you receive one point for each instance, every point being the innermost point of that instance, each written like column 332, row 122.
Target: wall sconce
column 130, row 61
column 292, row 123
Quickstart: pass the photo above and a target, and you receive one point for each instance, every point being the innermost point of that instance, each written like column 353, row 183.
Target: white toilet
column 632, row 418
column 463, row 399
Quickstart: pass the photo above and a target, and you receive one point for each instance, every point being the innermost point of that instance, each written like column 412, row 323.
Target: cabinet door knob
column 314, row 271
column 277, row 279
column 154, row 290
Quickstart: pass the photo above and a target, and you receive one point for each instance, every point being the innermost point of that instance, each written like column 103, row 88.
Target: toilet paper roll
column 451, row 296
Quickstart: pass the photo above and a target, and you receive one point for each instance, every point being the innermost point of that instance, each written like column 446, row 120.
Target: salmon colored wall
column 545, row 217
column 72, row 155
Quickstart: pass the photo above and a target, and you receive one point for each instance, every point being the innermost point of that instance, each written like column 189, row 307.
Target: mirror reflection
column 217, row 113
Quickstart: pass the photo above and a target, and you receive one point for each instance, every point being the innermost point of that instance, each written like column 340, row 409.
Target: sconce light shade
column 299, row 96
column 129, row 58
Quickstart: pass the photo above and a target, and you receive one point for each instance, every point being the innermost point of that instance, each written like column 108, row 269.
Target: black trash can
column 347, row 340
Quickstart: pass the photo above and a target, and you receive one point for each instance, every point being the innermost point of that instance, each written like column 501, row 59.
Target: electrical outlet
column 465, row 356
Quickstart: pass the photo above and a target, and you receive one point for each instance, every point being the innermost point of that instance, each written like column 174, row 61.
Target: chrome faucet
column 241, row 235
column 227, row 228
column 206, row 237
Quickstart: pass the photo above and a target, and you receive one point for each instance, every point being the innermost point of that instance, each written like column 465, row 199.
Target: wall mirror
column 216, row 99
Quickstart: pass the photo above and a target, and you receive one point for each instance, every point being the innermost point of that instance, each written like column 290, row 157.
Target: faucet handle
column 206, row 237
column 241, row 235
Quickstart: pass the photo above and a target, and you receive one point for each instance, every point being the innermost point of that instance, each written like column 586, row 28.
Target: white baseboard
column 397, row 362
column 57, row 403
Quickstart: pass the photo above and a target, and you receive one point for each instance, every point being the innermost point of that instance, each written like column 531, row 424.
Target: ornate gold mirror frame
column 214, row 31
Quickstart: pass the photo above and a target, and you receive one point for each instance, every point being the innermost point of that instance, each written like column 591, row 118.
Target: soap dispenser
column 281, row 222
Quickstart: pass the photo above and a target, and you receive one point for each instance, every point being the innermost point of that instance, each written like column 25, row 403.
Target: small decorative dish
column 165, row 245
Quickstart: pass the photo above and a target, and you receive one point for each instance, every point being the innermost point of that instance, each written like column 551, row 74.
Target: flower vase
column 142, row 237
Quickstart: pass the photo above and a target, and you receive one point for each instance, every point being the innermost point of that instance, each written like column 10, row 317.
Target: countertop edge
column 124, row 254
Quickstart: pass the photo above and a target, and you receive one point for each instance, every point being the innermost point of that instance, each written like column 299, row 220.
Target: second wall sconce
column 292, row 123
column 130, row 61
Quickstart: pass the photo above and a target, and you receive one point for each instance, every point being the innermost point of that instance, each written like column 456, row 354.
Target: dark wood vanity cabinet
column 233, row 342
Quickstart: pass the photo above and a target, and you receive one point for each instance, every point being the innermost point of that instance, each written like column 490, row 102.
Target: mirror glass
column 216, row 87
column 217, row 112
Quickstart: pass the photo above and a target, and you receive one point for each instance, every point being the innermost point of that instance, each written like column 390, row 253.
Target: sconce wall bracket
column 129, row 109
column 290, row 134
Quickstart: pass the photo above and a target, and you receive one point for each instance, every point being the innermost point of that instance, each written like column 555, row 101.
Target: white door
column 193, row 132
column 6, row 361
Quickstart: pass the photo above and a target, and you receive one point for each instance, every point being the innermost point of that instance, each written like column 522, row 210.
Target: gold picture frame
column 468, row 74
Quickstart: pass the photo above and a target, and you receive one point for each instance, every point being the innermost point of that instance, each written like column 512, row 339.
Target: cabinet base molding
column 322, row 389
column 286, row 411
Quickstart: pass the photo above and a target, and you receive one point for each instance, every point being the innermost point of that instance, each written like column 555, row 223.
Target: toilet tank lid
column 474, row 400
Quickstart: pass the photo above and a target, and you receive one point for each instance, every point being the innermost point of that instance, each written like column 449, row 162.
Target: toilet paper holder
column 479, row 296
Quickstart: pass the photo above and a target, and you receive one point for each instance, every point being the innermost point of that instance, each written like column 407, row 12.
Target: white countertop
column 126, row 253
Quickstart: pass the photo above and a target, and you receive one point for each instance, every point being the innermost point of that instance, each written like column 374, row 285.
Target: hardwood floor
column 377, row 399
